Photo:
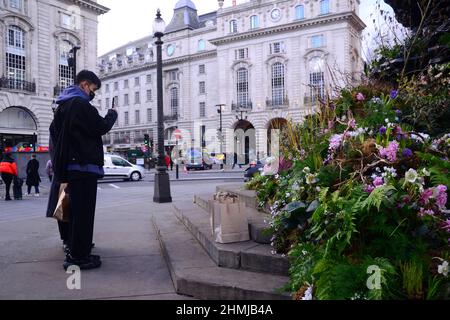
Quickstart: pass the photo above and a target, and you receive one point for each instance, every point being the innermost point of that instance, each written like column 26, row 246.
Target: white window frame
column 202, row 87
column 317, row 41
column 174, row 100
column 149, row 115
column 201, row 69
column 137, row 97
column 242, row 87
column 278, row 84
column 137, row 117
column 149, row 95
column 201, row 45
column 233, row 26
column 324, row 6
column 300, row 12
column 202, row 109
column 127, row 118
column 254, row 21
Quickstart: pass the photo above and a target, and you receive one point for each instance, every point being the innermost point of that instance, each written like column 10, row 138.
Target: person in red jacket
column 167, row 158
column 8, row 170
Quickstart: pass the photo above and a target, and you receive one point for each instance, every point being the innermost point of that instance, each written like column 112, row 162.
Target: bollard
column 176, row 172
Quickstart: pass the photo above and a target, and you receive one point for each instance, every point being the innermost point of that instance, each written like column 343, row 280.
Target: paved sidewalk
column 31, row 256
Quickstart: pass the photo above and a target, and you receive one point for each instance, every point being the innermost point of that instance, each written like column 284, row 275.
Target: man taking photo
column 78, row 159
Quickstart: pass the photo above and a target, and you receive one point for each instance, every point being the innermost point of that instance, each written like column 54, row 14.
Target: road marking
column 114, row 186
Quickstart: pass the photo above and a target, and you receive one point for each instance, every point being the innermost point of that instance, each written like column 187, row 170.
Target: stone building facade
column 35, row 39
column 254, row 66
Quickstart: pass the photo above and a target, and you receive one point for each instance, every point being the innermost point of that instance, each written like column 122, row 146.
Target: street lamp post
column 220, row 110
column 73, row 61
column 162, row 183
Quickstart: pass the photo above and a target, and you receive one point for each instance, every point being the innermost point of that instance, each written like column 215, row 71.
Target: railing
column 277, row 103
column 242, row 106
column 16, row 84
column 173, row 117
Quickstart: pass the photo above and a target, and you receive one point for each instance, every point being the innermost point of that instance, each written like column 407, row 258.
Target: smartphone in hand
column 114, row 103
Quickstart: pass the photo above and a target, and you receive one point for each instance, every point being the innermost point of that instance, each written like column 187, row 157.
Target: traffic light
column 147, row 140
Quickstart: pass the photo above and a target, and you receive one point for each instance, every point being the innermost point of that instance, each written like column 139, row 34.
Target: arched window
column 201, row 45
column 316, row 78
column 242, row 87
column 254, row 22
column 174, row 101
column 324, row 6
column 233, row 26
column 65, row 71
column 278, row 92
column 16, row 58
column 300, row 12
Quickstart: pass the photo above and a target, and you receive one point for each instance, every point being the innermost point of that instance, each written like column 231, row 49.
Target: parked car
column 197, row 160
column 117, row 167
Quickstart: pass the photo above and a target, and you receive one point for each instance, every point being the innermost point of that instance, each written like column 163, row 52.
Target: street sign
column 177, row 134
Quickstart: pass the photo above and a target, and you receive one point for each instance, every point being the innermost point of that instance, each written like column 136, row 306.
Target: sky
column 129, row 20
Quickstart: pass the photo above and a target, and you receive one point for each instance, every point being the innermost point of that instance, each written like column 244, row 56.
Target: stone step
column 258, row 221
column 247, row 255
column 195, row 274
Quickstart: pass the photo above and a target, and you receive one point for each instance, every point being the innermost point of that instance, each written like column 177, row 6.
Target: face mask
column 91, row 95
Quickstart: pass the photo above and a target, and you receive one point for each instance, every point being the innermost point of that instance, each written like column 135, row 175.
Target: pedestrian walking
column 235, row 161
column 33, row 177
column 49, row 169
column 167, row 159
column 77, row 131
column 8, row 170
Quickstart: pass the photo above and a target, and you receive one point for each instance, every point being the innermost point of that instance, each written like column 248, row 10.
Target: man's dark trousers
column 83, row 197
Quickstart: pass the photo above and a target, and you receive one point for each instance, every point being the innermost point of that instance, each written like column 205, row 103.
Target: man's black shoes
column 86, row 263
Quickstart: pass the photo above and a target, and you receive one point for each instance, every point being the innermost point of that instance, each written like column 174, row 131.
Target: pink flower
column 426, row 195
column 446, row 225
column 352, row 123
column 423, row 212
column 378, row 181
column 360, row 97
column 390, row 152
column 441, row 196
column 369, row 188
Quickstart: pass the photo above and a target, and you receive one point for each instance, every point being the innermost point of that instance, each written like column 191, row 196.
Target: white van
column 117, row 167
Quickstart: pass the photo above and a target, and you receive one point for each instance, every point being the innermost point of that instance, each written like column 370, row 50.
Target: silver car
column 117, row 167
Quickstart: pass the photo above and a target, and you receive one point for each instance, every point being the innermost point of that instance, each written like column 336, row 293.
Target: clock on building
column 170, row 49
column 275, row 14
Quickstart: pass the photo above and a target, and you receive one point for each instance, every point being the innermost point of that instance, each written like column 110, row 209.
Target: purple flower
column 446, row 225
column 360, row 97
column 398, row 112
column 426, row 212
column 390, row 152
column 335, row 142
column 440, row 193
column 382, row 130
column 369, row 188
column 352, row 123
column 426, row 195
column 394, row 94
column 378, row 181
column 407, row 153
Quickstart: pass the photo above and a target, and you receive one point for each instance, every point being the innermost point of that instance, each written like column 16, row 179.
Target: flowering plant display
column 364, row 191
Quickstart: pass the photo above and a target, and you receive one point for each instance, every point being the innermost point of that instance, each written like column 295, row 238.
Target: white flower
column 425, row 172
column 296, row 186
column 306, row 170
column 311, row 178
column 288, row 194
column 318, row 189
column 277, row 176
column 308, row 294
column 386, row 120
column 304, row 252
column 443, row 268
column 411, row 176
